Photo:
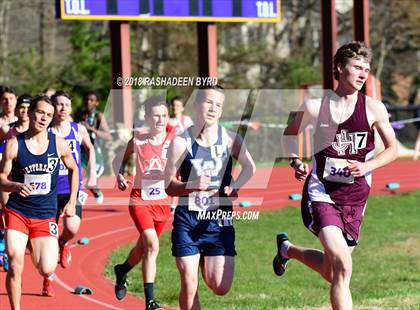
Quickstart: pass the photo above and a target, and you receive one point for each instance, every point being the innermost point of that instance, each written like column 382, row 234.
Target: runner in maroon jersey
column 149, row 203
column 336, row 191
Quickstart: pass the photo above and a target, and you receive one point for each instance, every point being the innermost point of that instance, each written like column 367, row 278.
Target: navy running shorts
column 209, row 237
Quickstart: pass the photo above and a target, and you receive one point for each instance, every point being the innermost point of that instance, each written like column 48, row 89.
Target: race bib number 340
column 336, row 171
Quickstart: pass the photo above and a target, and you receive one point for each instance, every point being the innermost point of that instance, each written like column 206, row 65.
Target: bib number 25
column 154, row 191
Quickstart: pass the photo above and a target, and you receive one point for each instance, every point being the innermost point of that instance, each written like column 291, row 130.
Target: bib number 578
column 39, row 185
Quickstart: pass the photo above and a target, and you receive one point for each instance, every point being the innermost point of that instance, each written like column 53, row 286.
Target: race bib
column 336, row 171
column 53, row 229
column 153, row 189
column 206, row 200
column 72, row 145
column 41, row 183
column 63, row 169
column 82, row 197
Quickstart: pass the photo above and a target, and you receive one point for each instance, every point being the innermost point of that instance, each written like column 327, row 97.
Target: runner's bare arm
column 121, row 157
column 9, row 154
column 3, row 132
column 68, row 160
column 241, row 154
column 299, row 120
column 387, row 135
column 173, row 186
column 307, row 115
column 103, row 130
column 85, row 141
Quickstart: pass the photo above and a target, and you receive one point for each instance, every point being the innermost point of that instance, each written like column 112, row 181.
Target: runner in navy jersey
column 29, row 170
column 336, row 191
column 198, row 170
column 75, row 135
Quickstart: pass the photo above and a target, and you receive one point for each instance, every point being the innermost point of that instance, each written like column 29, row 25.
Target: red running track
column 109, row 226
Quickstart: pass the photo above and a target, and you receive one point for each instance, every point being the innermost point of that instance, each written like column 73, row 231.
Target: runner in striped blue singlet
column 75, row 135
column 202, row 158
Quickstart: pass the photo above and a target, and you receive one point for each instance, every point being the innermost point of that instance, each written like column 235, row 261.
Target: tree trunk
column 382, row 55
column 52, row 29
column 4, row 34
column 41, row 34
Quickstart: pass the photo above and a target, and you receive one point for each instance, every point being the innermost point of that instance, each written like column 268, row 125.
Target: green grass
column 386, row 264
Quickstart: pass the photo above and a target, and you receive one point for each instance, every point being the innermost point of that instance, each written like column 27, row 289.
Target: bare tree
column 4, row 25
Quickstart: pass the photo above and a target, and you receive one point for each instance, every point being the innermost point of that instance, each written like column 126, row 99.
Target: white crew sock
column 285, row 245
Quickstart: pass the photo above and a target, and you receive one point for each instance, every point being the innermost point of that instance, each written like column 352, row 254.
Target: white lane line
column 106, row 234
column 84, row 219
column 70, row 289
column 64, row 285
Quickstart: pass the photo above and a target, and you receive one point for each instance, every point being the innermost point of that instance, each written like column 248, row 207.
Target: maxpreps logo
column 354, row 140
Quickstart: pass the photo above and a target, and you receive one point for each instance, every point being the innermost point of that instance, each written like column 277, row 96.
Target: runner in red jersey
column 178, row 121
column 177, row 124
column 149, row 203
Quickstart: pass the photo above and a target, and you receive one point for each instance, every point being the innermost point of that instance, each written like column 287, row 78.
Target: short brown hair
column 352, row 50
column 201, row 92
column 59, row 93
column 152, row 102
column 179, row 98
column 38, row 98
